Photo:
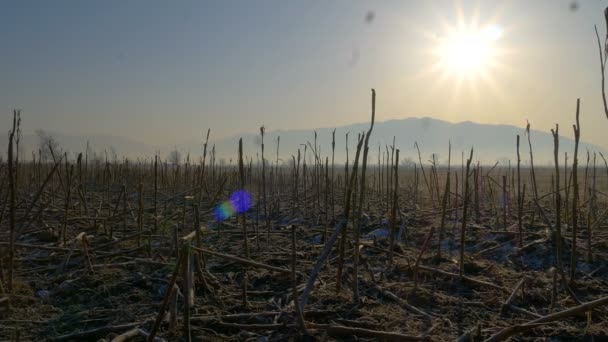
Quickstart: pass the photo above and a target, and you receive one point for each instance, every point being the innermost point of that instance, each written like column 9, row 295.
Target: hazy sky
column 164, row 71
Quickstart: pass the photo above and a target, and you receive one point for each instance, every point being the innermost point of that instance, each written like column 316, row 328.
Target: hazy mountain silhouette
column 491, row 142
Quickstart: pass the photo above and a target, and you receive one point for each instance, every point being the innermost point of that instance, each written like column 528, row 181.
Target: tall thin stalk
column 243, row 222
column 266, row 216
column 577, row 135
column 393, row 227
column 333, row 192
column 465, row 207
column 558, row 223
column 422, row 169
column 359, row 208
column 155, row 192
column 535, row 188
column 603, row 57
column 347, row 205
column 203, row 164
column 592, row 211
column 504, row 202
column 326, row 200
column 519, row 198
column 69, row 170
column 12, row 207
column 444, row 202
column 346, row 177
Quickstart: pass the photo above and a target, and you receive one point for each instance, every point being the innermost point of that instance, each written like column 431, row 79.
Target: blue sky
column 164, row 71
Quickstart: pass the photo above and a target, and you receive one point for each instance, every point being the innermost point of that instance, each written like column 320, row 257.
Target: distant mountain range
column 491, row 142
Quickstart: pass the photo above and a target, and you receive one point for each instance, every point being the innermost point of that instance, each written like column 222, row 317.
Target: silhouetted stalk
column 521, row 204
column 4, row 202
column 476, row 193
column 415, row 201
column 589, row 223
column 567, row 180
column 577, row 135
column 68, row 198
column 394, row 212
column 388, row 177
column 605, row 163
column 435, row 181
column 12, row 207
column 333, row 192
column 266, row 216
column 449, row 163
column 295, row 188
column 124, row 210
column 140, row 212
column 304, row 177
column 380, row 173
column 17, row 139
column 422, row 169
column 259, row 201
column 603, row 63
column 512, row 191
column 594, row 187
column 213, row 167
column 165, row 302
column 392, row 158
column 558, row 223
column 244, row 222
column 465, row 206
column 80, row 184
column 456, row 187
column 107, row 188
column 346, row 177
column 462, row 172
column 317, row 178
column 592, row 212
column 359, row 208
column 203, row 164
column 340, row 229
column 519, row 198
column 585, row 199
column 504, row 202
column 326, row 200
column 155, row 204
column 188, row 295
column 444, row 201
column 347, row 205
column 277, row 181
column 534, row 186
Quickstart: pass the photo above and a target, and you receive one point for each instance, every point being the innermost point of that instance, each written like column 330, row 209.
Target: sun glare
column 468, row 52
column 467, row 55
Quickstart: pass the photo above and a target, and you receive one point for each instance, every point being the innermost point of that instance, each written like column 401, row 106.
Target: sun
column 466, row 55
column 468, row 52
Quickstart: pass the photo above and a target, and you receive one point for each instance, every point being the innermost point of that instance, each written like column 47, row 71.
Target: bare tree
column 113, row 154
column 175, row 157
column 47, row 145
column 408, row 162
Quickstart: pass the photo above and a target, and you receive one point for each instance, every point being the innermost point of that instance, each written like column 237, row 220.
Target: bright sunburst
column 468, row 52
column 466, row 55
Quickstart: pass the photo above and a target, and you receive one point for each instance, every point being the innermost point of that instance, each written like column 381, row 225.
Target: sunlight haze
column 163, row 72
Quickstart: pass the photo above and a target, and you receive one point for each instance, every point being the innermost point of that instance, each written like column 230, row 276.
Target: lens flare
column 223, row 211
column 240, row 201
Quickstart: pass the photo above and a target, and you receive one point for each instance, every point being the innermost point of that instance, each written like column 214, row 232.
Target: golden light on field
column 468, row 52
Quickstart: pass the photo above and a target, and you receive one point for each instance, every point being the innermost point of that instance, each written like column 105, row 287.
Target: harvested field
column 142, row 250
